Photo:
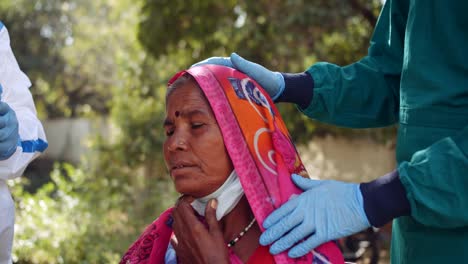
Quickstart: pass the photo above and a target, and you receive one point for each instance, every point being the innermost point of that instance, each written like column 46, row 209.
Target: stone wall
column 69, row 138
column 345, row 159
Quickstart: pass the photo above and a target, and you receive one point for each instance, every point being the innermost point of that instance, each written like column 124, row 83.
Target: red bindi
column 177, row 113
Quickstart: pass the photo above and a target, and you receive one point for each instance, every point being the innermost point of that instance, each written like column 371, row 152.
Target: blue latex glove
column 327, row 210
column 223, row 61
column 272, row 82
column 9, row 136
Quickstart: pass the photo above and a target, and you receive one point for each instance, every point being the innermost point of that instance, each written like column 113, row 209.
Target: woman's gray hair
column 185, row 78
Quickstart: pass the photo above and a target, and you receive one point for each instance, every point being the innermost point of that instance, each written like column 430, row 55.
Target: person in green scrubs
column 416, row 75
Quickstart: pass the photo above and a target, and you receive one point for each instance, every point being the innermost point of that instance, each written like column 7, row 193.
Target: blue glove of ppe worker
column 223, row 61
column 9, row 136
column 272, row 82
column 327, row 210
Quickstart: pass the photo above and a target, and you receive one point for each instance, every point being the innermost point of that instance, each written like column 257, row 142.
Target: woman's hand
column 193, row 242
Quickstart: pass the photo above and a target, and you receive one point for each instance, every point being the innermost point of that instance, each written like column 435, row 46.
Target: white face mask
column 228, row 195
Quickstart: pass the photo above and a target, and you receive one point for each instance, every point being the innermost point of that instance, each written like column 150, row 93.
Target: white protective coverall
column 14, row 88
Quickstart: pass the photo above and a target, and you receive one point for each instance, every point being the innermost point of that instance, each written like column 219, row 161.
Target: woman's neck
column 234, row 223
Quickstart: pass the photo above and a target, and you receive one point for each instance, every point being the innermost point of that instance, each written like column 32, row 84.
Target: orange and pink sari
column 263, row 156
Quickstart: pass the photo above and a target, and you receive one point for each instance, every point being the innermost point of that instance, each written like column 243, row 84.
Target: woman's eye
column 197, row 125
column 169, row 132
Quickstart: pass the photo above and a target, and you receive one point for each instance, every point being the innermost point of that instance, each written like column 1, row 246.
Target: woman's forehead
column 186, row 91
column 187, row 98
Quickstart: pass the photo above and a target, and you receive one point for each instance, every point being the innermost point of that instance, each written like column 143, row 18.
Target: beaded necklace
column 241, row 234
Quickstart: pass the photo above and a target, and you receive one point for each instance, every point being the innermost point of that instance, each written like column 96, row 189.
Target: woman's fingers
column 210, row 214
column 185, row 222
column 194, row 242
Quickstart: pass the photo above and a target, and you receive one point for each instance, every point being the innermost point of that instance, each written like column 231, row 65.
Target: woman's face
column 194, row 149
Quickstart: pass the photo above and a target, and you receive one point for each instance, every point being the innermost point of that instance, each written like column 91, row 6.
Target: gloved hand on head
column 327, row 210
column 272, row 82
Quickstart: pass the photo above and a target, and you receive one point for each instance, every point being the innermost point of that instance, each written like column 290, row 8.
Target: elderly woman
column 230, row 156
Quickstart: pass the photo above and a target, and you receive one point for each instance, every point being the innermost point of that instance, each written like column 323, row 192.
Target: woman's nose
column 178, row 142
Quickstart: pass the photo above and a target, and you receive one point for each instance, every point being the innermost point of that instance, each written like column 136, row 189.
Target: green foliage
column 81, row 218
column 37, row 36
column 63, row 47
column 52, row 222
column 166, row 21
column 288, row 36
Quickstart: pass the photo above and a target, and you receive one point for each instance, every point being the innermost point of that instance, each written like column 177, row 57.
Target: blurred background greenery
column 111, row 59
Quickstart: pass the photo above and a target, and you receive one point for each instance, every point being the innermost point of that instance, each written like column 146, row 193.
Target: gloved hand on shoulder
column 325, row 211
column 272, row 82
column 9, row 136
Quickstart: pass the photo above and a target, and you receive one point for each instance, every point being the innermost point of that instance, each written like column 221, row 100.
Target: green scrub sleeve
column 436, row 182
column 366, row 93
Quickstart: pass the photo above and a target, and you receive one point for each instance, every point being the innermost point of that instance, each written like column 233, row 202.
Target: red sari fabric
column 263, row 156
column 261, row 255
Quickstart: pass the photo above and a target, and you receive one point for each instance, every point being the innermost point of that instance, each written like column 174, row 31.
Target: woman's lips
column 181, row 165
column 181, row 169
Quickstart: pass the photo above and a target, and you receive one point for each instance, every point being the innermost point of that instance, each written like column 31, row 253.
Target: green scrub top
column 416, row 74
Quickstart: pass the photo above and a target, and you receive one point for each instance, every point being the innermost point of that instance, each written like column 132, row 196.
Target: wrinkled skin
column 194, row 149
